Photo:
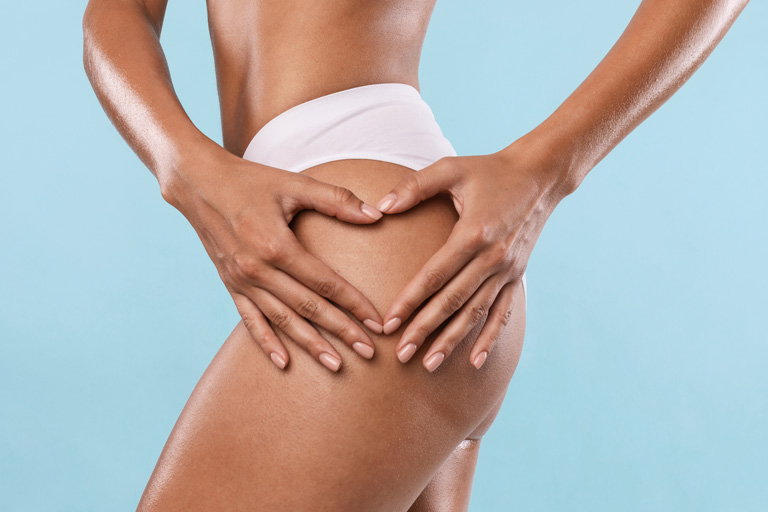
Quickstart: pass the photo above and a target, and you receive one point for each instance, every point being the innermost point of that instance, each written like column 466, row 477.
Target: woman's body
column 369, row 437
column 373, row 435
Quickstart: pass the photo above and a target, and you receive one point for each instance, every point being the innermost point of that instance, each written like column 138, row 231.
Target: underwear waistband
column 389, row 122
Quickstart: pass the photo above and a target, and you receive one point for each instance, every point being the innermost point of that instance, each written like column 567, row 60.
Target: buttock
column 255, row 437
column 380, row 259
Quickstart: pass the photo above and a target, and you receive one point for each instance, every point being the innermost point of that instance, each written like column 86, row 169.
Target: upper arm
column 153, row 10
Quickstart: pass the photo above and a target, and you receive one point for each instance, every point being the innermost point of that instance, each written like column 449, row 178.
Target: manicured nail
column 434, row 361
column 480, row 359
column 363, row 349
column 278, row 360
column 386, row 201
column 374, row 326
column 371, row 212
column 329, row 361
column 406, row 352
column 391, row 326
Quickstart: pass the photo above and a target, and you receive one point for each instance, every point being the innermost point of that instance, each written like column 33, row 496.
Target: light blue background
column 643, row 381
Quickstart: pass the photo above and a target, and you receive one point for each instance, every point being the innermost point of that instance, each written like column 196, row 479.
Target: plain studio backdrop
column 642, row 384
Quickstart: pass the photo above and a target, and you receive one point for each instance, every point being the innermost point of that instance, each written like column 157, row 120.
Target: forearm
column 663, row 45
column 127, row 68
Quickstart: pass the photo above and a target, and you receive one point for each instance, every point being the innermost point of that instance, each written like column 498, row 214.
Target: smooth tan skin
column 377, row 434
column 367, row 438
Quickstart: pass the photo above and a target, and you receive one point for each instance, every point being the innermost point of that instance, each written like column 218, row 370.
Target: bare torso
column 273, row 54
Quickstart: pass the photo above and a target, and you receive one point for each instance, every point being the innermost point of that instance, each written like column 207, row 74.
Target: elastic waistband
column 390, row 122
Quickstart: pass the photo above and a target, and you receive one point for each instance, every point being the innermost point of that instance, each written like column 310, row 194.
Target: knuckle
column 434, row 279
column 281, row 319
column 451, row 302
column 356, row 308
column 249, row 324
column 264, row 341
column 479, row 237
column 272, row 250
column 308, row 308
column 498, row 254
column 410, row 184
column 342, row 194
column 315, row 346
column 346, row 332
column 246, row 266
column 504, row 315
column 476, row 313
column 472, row 240
column 409, row 304
column 421, row 332
column 326, row 287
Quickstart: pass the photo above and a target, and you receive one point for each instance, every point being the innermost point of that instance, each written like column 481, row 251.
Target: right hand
column 241, row 211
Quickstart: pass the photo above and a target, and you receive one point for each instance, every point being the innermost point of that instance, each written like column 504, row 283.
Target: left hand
column 503, row 200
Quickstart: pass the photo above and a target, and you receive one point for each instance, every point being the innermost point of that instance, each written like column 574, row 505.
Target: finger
column 474, row 311
column 297, row 328
column 498, row 318
column 261, row 331
column 321, row 279
column 441, row 306
column 315, row 308
column 417, row 186
column 437, row 271
column 309, row 193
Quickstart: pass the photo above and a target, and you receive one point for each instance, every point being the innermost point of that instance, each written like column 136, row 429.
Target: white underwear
column 389, row 122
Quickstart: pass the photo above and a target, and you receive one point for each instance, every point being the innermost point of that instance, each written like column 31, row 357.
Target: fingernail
column 391, row 326
column 374, row 326
column 363, row 349
column 480, row 359
column 329, row 361
column 386, row 201
column 434, row 361
column 278, row 360
column 406, row 352
column 371, row 211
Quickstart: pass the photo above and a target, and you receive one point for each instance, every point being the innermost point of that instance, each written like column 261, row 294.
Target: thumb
column 419, row 186
column 333, row 200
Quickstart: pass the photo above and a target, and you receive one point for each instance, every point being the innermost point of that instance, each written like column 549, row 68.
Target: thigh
column 370, row 437
column 451, row 487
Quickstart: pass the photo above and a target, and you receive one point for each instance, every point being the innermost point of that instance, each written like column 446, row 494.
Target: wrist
column 197, row 162
column 549, row 160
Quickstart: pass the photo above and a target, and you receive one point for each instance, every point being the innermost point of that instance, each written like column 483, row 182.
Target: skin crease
column 274, row 54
